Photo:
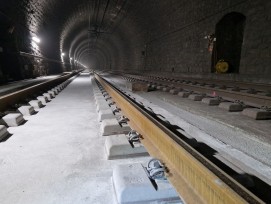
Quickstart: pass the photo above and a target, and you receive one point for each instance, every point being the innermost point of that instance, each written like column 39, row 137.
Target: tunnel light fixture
column 34, row 45
column 70, row 58
column 62, row 54
column 36, row 39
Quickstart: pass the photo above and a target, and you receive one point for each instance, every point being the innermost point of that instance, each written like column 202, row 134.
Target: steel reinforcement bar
column 195, row 178
column 8, row 100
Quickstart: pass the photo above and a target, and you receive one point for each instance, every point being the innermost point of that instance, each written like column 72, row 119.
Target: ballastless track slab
column 204, row 181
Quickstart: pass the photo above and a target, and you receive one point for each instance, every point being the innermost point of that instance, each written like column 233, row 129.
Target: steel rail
column 8, row 100
column 254, row 100
column 242, row 85
column 195, row 178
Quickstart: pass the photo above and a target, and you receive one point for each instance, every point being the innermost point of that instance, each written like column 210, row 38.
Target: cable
column 107, row 3
column 96, row 20
column 100, row 25
column 122, row 6
column 195, row 22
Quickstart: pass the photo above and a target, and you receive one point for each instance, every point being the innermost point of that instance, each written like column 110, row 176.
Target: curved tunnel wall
column 141, row 36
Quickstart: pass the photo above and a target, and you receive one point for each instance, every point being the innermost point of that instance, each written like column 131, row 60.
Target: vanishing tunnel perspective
column 135, row 101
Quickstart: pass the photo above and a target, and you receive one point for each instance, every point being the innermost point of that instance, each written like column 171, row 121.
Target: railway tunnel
column 121, row 101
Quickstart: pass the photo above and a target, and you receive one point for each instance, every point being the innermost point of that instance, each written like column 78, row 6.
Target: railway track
column 19, row 87
column 192, row 168
column 242, row 92
column 10, row 101
column 253, row 99
column 255, row 88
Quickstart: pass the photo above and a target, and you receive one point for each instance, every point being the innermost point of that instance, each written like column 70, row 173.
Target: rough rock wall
column 174, row 33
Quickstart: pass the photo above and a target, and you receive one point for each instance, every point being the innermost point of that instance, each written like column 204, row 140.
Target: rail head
column 204, row 181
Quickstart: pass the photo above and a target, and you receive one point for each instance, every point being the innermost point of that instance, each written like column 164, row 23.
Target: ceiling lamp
column 36, row 39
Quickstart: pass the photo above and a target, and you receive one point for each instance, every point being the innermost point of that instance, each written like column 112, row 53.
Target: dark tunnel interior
column 107, row 100
column 175, row 37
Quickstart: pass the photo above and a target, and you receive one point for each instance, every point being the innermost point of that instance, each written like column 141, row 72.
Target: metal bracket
column 150, row 109
column 240, row 103
column 123, row 120
column 133, row 137
column 107, row 98
column 112, row 103
column 156, row 170
column 159, row 115
column 116, row 110
column 266, row 108
column 220, row 98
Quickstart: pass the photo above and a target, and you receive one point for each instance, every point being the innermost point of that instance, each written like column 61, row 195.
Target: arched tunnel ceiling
column 136, row 35
column 97, row 25
column 115, row 30
column 69, row 26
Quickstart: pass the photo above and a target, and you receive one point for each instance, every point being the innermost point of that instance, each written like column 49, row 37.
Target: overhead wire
column 117, row 15
column 101, row 24
column 97, row 14
column 98, row 26
column 195, row 22
column 94, row 18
